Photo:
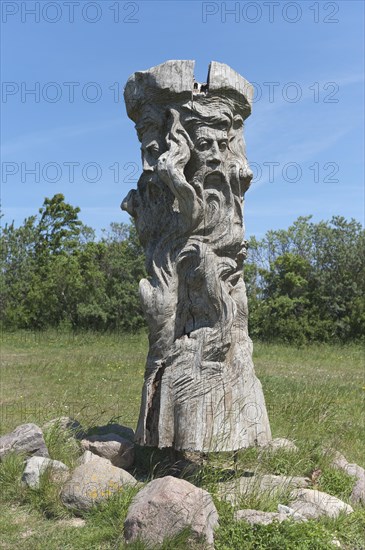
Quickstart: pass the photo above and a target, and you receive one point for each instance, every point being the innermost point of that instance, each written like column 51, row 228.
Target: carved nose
column 148, row 163
column 213, row 163
column 128, row 203
column 214, row 159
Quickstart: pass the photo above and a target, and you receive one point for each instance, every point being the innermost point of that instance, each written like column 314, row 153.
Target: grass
column 92, row 378
column 288, row 535
column 314, row 396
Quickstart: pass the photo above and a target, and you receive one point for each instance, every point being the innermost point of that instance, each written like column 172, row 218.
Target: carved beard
column 206, row 177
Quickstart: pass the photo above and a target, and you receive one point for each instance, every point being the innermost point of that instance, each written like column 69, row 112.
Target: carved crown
column 173, row 82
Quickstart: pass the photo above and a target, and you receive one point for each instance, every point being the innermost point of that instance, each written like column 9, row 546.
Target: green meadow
column 314, row 395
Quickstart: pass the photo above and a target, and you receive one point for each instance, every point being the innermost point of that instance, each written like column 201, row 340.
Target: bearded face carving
column 199, row 379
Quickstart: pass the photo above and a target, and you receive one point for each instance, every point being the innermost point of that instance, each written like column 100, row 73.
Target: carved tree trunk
column 200, row 391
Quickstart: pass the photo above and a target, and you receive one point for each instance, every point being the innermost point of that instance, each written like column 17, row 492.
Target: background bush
column 306, row 283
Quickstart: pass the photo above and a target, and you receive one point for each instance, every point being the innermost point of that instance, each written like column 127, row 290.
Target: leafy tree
column 59, row 227
column 123, row 265
column 308, row 282
column 40, row 276
column 18, row 270
column 303, row 283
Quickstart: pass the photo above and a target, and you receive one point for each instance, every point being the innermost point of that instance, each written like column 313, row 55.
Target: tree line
column 306, row 283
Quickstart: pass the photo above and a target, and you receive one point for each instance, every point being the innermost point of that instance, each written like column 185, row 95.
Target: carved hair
column 213, row 113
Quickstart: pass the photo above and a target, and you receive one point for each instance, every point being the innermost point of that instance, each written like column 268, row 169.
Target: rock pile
column 168, row 505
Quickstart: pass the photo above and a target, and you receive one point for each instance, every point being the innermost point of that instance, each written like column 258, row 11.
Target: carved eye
column 203, row 145
column 223, row 145
column 153, row 150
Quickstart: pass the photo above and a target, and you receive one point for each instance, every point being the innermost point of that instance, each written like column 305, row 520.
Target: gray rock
column 122, row 431
column 256, row 516
column 265, row 518
column 86, row 457
column 339, row 461
column 290, row 513
column 234, row 490
column 117, row 449
column 72, row 522
column 166, row 506
column 358, row 492
column 26, row 438
column 200, row 389
column 281, row 443
column 94, row 482
column 37, row 465
column 283, row 509
column 66, row 424
column 312, row 504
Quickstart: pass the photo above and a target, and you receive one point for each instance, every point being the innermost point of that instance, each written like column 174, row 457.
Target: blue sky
column 304, row 138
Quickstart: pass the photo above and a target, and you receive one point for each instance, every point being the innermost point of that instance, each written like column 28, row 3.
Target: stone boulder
column 117, row 449
column 289, row 512
column 36, row 465
column 93, row 482
column 26, row 438
column 256, row 516
column 234, row 490
column 122, row 431
column 280, row 443
column 86, row 457
column 167, row 506
column 265, row 518
column 312, row 504
column 71, row 522
column 358, row 492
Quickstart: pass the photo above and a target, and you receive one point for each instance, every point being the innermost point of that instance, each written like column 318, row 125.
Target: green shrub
column 11, row 470
column 62, row 445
